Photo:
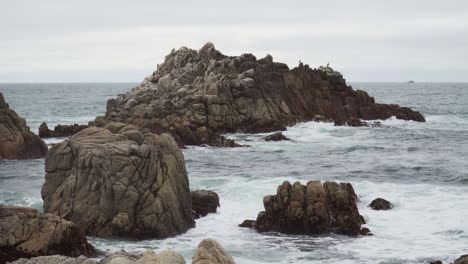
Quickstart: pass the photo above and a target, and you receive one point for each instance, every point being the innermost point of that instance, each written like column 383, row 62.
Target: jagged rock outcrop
column 26, row 233
column 209, row 251
column 16, row 140
column 119, row 181
column 55, row 259
column 380, row 204
column 204, row 202
column 60, row 130
column 461, row 260
column 314, row 208
column 278, row 136
column 196, row 95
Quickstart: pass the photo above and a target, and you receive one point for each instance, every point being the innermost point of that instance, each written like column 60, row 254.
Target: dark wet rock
column 365, row 232
column 26, row 233
column 462, row 260
column 436, row 262
column 198, row 95
column 209, row 251
column 355, row 122
column 60, row 130
column 381, row 204
column 16, row 139
column 278, row 136
column 248, row 224
column 314, row 208
column 204, row 202
column 119, row 181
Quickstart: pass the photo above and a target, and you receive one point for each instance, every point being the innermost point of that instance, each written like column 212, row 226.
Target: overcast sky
column 117, row 41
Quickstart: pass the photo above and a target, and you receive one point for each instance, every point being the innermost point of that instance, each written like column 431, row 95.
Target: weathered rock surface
column 55, row 259
column 16, row 140
column 196, row 95
column 314, row 208
column 26, row 233
column 209, row 251
column 204, row 202
column 119, row 181
column 381, row 204
column 60, row 130
column 462, row 260
column 278, row 136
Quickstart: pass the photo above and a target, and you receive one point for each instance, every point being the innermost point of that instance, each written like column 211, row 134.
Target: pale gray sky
column 367, row 40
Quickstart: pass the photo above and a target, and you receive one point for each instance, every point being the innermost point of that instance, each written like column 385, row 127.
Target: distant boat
column 410, row 81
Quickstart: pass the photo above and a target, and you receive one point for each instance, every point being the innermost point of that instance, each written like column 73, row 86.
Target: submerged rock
column 119, row 181
column 381, row 204
column 16, row 140
column 314, row 208
column 278, row 136
column 60, row 130
column 198, row 95
column 204, row 202
column 26, row 233
column 209, row 251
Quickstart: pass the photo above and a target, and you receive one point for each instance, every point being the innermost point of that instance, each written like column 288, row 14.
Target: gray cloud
column 124, row 40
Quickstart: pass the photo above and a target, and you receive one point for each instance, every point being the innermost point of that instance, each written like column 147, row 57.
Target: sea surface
column 422, row 168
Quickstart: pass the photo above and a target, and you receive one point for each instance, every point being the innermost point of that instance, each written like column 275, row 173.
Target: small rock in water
column 204, row 202
column 278, row 136
column 436, row 262
column 248, row 223
column 381, row 204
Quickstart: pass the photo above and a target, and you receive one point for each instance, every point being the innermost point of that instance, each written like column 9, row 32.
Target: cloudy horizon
column 123, row 41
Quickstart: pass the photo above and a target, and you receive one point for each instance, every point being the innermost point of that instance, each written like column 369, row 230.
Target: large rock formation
column 204, row 202
column 209, row 251
column 25, row 233
column 314, row 208
column 16, row 140
column 196, row 95
column 119, row 181
column 60, row 130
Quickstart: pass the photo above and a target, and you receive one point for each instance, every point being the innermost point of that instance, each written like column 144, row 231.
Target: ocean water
column 422, row 168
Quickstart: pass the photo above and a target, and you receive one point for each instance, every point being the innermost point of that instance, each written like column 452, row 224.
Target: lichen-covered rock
column 119, row 181
column 278, row 136
column 60, row 130
column 314, row 208
column 209, row 251
column 55, row 259
column 16, row 140
column 196, row 95
column 204, row 202
column 26, row 233
column 380, row 204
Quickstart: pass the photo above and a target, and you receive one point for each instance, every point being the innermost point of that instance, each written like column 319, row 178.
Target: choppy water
column 421, row 167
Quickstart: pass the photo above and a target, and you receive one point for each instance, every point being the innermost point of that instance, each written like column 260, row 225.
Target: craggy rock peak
column 314, row 208
column 196, row 95
column 119, row 181
column 204, row 202
column 25, row 233
column 209, row 251
column 16, row 140
column 60, row 130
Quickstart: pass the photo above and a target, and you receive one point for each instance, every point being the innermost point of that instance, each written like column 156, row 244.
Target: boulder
column 204, row 202
column 16, row 140
column 60, row 130
column 121, row 257
column 381, row 204
column 248, row 224
column 278, row 136
column 119, row 181
column 310, row 209
column 198, row 95
column 55, row 259
column 209, row 251
column 26, row 233
column 461, row 260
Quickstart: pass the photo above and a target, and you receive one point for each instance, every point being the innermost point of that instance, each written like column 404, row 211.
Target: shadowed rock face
column 25, row 233
column 310, row 209
column 196, row 95
column 16, row 140
column 119, row 181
